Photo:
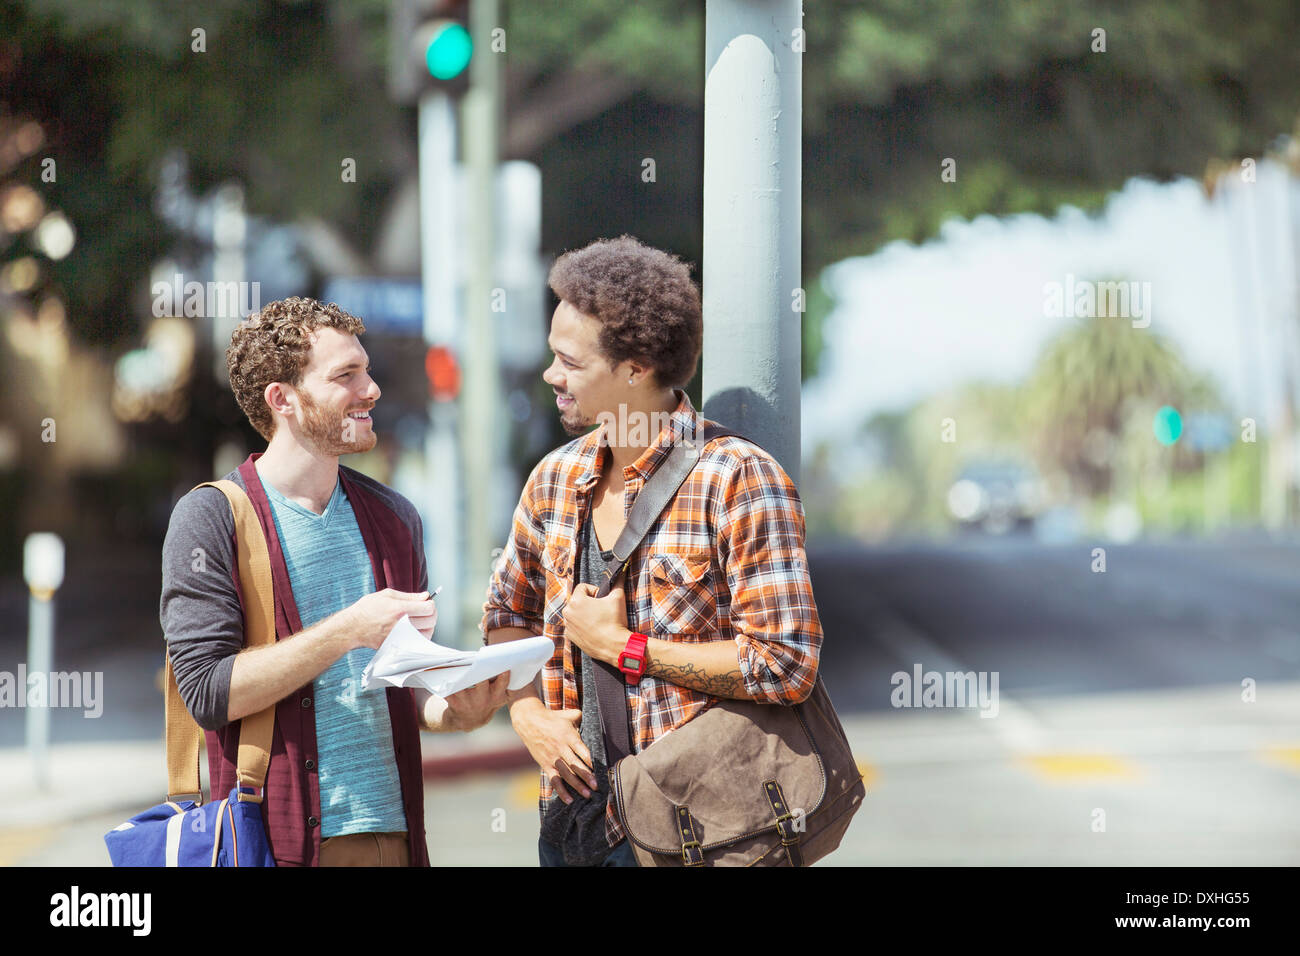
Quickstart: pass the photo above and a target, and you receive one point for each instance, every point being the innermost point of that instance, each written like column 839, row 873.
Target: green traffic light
column 448, row 52
column 1168, row 425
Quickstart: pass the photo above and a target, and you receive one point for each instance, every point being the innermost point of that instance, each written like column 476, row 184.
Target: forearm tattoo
column 726, row 684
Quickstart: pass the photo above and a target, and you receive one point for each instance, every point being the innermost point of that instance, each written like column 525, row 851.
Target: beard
column 574, row 422
column 329, row 430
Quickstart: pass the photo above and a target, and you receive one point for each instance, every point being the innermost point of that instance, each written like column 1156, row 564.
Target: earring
column 629, row 381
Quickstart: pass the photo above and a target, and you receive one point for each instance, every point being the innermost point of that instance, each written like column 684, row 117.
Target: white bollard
column 43, row 571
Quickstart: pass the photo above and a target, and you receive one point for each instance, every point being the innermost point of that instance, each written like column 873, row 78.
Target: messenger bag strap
column 658, row 490
column 184, row 736
column 786, row 825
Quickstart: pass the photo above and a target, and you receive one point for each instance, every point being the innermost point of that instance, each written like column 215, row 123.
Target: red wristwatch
column 632, row 661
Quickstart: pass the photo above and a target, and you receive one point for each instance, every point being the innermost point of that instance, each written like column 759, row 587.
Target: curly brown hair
column 274, row 345
column 648, row 307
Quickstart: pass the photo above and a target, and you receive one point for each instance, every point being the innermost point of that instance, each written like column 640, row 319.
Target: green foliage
column 903, row 486
column 1223, row 491
column 1094, row 384
column 657, row 43
column 288, row 88
column 1082, row 419
column 818, row 307
column 1033, row 117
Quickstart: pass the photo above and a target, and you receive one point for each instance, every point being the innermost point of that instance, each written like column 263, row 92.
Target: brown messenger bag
column 741, row 784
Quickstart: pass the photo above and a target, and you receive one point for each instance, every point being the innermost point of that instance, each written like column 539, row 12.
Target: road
column 1123, row 732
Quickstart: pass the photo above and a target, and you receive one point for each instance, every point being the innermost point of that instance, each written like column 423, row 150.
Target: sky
column 911, row 320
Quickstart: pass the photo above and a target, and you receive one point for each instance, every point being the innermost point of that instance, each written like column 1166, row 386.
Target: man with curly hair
column 716, row 601
column 344, row 785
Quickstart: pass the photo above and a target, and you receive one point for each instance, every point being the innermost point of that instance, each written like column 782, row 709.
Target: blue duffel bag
column 229, row 833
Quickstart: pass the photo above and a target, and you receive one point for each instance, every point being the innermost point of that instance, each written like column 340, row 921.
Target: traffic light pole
column 752, row 175
column 444, row 545
column 481, row 423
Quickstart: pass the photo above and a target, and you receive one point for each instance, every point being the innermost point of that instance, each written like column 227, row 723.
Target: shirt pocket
column 557, row 565
column 682, row 597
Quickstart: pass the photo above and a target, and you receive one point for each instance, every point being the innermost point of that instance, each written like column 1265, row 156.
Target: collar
column 593, row 453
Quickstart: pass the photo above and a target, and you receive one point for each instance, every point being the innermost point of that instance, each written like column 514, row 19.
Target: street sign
column 1209, row 431
column 387, row 305
column 392, row 306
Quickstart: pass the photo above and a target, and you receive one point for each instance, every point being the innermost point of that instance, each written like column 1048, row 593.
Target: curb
column 448, row 766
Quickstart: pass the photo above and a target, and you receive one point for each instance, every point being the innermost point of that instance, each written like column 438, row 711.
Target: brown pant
column 366, row 849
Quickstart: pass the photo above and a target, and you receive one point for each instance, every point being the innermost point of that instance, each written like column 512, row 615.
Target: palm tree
column 1085, row 385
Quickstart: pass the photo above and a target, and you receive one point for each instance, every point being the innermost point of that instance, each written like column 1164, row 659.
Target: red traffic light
column 443, row 370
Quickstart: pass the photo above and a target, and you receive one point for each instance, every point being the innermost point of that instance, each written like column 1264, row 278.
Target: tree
column 1019, row 95
column 1095, row 383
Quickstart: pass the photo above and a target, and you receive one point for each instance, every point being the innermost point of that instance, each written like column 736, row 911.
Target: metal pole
column 1228, row 198
column 480, row 398
column 1280, row 419
column 40, row 660
column 752, row 291
column 1288, row 286
column 229, row 234
column 443, row 535
column 43, row 568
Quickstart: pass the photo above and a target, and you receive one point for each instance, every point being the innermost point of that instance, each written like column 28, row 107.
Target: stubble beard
column 573, row 423
column 325, row 429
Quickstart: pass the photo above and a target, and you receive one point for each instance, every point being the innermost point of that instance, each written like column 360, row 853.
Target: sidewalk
column 1193, row 776
column 127, row 776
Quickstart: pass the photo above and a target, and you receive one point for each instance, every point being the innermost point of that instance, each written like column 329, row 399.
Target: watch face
column 631, row 664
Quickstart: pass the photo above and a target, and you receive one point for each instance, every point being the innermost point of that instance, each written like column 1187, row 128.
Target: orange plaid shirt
column 724, row 561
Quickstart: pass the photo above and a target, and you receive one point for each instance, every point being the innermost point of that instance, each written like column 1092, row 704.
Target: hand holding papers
column 408, row 659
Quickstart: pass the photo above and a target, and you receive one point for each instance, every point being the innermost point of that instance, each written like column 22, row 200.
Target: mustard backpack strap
column 184, row 736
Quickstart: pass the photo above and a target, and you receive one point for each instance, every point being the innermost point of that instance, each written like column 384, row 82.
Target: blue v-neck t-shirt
column 329, row 569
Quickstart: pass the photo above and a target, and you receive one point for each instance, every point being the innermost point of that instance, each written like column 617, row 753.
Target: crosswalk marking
column 524, row 789
column 868, row 772
column 1069, row 767
column 1288, row 757
column 20, row 842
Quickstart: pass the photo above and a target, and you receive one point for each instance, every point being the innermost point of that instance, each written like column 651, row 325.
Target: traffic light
column 429, row 48
column 443, row 371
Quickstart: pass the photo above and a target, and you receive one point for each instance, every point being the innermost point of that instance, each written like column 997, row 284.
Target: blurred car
column 995, row 496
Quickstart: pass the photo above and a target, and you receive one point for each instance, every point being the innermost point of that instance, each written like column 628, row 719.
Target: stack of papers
column 408, row 659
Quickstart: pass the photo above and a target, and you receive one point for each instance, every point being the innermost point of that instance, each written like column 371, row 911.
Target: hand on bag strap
column 659, row 489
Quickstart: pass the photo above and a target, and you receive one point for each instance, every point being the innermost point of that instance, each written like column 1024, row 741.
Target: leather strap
column 658, row 490
column 692, row 855
column 784, row 824
column 184, row 736
column 216, row 839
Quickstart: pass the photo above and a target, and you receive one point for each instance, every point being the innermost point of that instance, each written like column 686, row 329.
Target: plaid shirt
column 724, row 561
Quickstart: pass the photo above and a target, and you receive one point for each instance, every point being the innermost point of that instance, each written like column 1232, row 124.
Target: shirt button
column 306, row 702
column 310, row 764
column 312, row 821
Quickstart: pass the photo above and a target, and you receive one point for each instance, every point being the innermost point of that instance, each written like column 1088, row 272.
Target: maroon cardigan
column 291, row 801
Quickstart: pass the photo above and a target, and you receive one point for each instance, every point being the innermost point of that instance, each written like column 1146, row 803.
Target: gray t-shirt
column 589, row 572
column 579, row 829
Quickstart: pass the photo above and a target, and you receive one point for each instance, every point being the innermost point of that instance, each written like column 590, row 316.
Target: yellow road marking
column 1286, row 757
column 523, row 789
column 868, row 772
column 17, row 844
column 1068, row 767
